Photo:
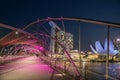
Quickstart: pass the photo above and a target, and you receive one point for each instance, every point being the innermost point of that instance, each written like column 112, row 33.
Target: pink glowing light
column 40, row 48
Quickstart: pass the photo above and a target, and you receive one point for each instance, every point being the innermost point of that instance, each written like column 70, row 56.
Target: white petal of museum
column 103, row 50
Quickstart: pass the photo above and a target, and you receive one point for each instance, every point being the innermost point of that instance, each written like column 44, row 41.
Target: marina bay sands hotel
column 66, row 39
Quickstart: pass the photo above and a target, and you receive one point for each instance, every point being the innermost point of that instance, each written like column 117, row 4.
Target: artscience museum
column 102, row 49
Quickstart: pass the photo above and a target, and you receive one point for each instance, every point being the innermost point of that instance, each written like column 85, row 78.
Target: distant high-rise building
column 66, row 39
column 117, row 44
column 69, row 41
column 61, row 38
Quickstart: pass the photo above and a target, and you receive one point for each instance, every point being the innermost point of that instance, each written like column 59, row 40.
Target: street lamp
column 16, row 32
column 28, row 36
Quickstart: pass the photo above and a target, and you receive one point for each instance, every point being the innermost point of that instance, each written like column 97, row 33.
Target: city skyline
column 21, row 13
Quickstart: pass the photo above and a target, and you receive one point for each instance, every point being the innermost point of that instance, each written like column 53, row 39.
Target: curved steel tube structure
column 107, row 24
column 76, row 19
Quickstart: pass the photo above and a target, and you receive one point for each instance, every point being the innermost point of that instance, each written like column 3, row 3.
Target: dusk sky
column 19, row 13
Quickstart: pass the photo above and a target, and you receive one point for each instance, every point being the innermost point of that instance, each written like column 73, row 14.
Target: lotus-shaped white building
column 103, row 49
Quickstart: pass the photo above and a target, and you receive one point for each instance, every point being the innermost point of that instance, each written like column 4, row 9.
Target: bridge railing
column 9, row 58
column 62, row 65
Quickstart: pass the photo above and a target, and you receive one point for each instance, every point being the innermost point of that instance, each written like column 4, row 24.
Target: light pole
column 79, row 50
column 107, row 55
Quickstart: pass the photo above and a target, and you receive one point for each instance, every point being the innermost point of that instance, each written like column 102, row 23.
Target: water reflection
column 97, row 71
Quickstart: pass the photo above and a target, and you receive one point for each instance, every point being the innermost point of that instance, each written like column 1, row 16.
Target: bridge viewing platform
column 29, row 68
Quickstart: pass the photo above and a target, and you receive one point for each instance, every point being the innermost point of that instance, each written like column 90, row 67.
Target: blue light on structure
column 103, row 49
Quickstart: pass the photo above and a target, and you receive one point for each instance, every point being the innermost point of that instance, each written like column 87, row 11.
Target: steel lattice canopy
column 17, row 36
